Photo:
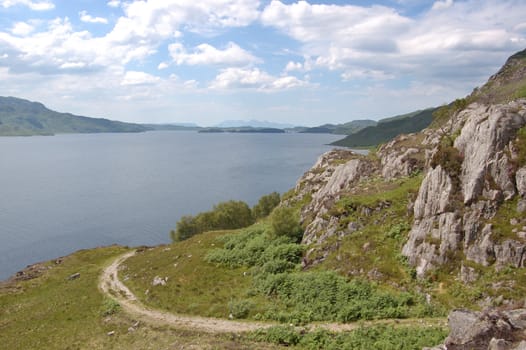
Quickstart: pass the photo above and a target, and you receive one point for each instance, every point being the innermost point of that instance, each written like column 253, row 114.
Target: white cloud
column 144, row 26
column 253, row 78
column 377, row 42
column 162, row 65
column 22, row 29
column 205, row 54
column 114, row 3
column 72, row 65
column 84, row 17
column 155, row 20
column 292, row 66
column 33, row 5
column 366, row 74
column 138, row 78
column 442, row 4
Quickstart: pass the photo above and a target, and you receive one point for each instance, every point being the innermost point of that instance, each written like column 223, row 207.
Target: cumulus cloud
column 205, row 54
column 292, row 66
column 22, row 29
column 33, row 5
column 378, row 42
column 137, row 34
column 138, row 78
column 84, row 17
column 442, row 4
column 162, row 65
column 253, row 78
column 114, row 3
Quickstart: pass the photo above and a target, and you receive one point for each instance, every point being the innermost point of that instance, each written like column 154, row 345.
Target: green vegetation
column 443, row 114
column 379, row 211
column 450, row 159
column 520, row 145
column 52, row 311
column 367, row 338
column 301, row 297
column 265, row 205
column 23, row 118
column 388, row 129
column 224, row 216
column 285, row 223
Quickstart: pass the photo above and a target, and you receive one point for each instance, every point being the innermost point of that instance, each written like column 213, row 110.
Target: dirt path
column 110, row 285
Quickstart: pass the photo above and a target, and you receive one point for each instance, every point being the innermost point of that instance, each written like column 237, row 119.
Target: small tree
column 231, row 215
column 186, row 227
column 265, row 205
column 285, row 222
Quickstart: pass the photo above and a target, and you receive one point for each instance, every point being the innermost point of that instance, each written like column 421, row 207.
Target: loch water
column 62, row 193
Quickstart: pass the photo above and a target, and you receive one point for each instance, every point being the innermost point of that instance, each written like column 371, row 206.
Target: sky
column 206, row 61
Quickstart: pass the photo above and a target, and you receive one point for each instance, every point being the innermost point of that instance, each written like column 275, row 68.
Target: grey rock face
column 331, row 183
column 486, row 133
column 520, row 179
column 492, row 330
column 450, row 217
column 398, row 159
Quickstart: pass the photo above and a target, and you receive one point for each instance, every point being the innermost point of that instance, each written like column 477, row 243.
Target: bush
column 254, row 247
column 284, row 335
column 265, row 205
column 224, row 216
column 109, row 307
column 285, row 222
column 240, row 308
column 370, row 338
column 302, row 297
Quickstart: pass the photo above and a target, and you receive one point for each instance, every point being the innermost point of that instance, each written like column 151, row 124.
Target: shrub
column 109, row 307
column 370, row 338
column 224, row 216
column 265, row 205
column 285, row 222
column 284, row 335
column 240, row 308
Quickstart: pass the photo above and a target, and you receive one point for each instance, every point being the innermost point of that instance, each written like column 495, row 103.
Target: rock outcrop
column 459, row 197
column 491, row 330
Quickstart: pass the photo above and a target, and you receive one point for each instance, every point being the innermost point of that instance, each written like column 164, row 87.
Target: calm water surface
column 67, row 192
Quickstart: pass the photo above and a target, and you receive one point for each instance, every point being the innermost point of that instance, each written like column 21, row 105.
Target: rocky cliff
column 450, row 198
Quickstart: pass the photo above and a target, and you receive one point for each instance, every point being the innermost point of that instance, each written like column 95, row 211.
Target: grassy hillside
column 388, row 129
column 20, row 117
column 52, row 311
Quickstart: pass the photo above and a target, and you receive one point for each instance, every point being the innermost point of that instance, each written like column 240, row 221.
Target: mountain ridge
column 20, row 117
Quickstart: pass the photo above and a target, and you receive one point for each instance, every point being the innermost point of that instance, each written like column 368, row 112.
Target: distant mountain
column 252, row 123
column 388, row 128
column 243, row 129
column 173, row 127
column 19, row 117
column 340, row 129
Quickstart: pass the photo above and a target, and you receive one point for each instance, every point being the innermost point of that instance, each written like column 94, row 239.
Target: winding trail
column 112, row 287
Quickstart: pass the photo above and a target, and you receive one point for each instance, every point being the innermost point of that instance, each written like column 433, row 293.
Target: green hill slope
column 388, row 128
column 19, row 117
column 340, row 129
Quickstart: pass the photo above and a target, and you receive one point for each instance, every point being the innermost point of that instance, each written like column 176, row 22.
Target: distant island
column 19, row 117
column 243, row 129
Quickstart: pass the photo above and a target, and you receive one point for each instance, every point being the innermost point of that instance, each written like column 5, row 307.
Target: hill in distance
column 388, row 128
column 340, row 129
column 19, row 117
column 253, row 124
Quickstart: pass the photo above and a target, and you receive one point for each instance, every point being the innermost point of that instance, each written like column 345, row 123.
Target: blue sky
column 299, row 62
